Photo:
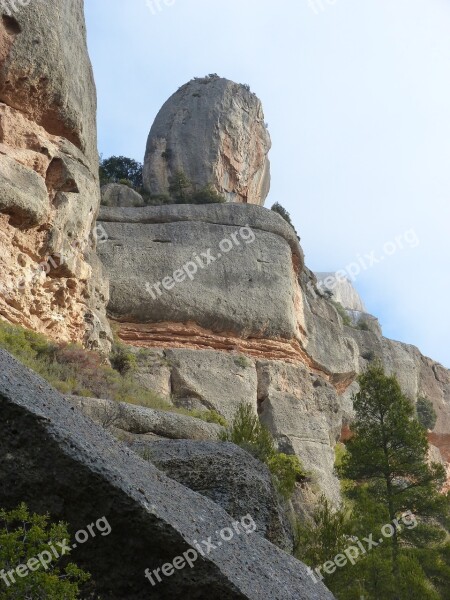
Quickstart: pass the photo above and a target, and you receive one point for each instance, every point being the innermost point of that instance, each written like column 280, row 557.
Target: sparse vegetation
column 343, row 313
column 74, row 371
column 249, row 433
column 122, row 360
column 425, row 413
column 210, row 416
column 369, row 355
column 280, row 210
column 23, row 536
column 120, row 169
column 363, row 325
column 242, row 361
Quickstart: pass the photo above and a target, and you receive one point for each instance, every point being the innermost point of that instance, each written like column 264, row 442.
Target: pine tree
column 388, row 454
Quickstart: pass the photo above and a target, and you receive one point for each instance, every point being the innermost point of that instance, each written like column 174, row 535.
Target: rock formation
column 274, row 339
column 220, row 297
column 342, row 290
column 247, row 345
column 227, row 475
column 49, row 193
column 116, row 195
column 213, row 131
column 59, row 461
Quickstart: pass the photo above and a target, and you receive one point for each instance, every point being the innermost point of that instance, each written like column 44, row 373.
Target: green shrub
column 249, row 433
column 425, row 413
column 280, row 210
column 180, row 187
column 206, row 195
column 286, row 471
column 209, row 416
column 363, row 325
column 23, row 536
column 343, row 313
column 126, row 182
column 120, row 168
column 122, row 360
column 242, row 361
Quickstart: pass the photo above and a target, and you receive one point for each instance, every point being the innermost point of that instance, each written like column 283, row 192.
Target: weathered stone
column 45, row 71
column 49, row 174
column 58, row 461
column 342, row 290
column 303, row 413
column 209, row 380
column 213, row 130
column 255, row 267
column 117, row 195
column 227, row 475
column 141, row 421
column 153, row 371
column 16, row 181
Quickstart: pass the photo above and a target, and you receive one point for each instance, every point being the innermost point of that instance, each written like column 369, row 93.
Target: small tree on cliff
column 388, row 452
column 120, row 168
column 426, row 413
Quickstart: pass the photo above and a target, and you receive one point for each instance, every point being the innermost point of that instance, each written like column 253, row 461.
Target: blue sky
column 357, row 97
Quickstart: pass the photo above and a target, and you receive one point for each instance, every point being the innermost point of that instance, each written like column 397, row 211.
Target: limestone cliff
column 49, row 192
column 222, row 293
column 213, row 130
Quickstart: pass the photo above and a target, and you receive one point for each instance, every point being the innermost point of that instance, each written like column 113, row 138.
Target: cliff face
column 215, row 289
column 213, row 130
column 334, row 344
column 222, row 293
column 49, row 193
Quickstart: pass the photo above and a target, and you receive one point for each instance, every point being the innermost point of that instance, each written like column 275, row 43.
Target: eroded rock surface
column 58, row 461
column 227, row 475
column 145, row 423
column 49, row 192
column 118, row 195
column 212, row 130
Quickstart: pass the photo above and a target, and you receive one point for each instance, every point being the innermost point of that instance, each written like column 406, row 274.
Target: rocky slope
column 57, row 460
column 213, row 130
column 49, row 193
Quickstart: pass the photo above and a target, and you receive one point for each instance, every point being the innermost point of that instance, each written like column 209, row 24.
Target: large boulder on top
column 213, row 130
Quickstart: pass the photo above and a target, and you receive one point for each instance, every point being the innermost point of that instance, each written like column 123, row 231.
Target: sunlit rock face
column 212, row 130
column 50, row 279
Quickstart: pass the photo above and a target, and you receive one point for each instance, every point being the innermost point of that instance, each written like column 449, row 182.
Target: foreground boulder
column 57, row 460
column 229, row 476
column 212, row 130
